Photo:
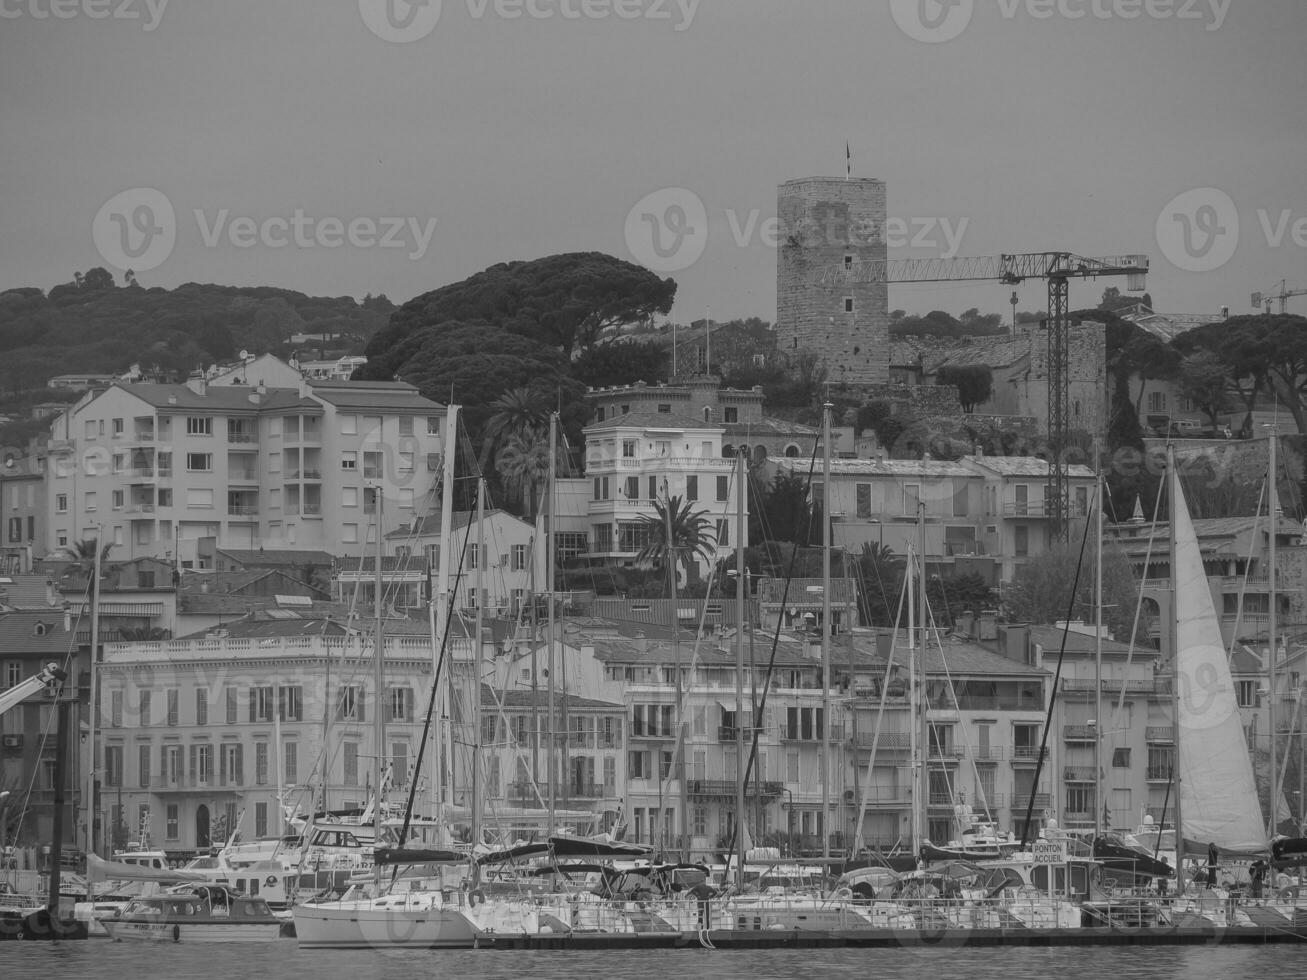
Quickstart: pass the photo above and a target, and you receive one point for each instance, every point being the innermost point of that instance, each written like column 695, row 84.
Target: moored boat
column 196, row 913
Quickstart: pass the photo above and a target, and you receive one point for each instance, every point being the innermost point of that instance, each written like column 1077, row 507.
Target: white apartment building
column 636, row 458
column 174, row 471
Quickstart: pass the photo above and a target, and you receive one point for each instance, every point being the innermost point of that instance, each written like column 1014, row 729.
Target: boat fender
column 176, row 934
column 270, row 881
column 843, row 893
column 476, row 897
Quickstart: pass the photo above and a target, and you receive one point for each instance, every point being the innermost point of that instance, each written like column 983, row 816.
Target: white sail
column 1218, row 796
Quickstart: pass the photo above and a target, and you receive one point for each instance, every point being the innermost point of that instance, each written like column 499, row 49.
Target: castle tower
column 827, row 223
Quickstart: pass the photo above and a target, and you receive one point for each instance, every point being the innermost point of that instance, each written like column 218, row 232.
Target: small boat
column 196, row 913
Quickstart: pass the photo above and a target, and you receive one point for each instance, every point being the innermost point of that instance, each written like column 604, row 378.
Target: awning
column 121, row 608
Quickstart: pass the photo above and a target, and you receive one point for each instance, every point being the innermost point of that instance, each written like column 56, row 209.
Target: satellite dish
column 244, row 354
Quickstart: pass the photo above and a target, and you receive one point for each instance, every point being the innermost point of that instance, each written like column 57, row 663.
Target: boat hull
column 361, row 925
column 176, row 931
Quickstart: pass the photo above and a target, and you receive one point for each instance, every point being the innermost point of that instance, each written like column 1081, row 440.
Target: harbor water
column 100, row 959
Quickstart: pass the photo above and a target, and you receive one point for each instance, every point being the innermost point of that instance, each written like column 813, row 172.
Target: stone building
column 830, row 223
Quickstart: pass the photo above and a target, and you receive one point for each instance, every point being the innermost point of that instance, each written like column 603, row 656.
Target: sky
column 347, row 147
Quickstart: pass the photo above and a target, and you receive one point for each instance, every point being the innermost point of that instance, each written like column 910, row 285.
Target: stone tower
column 829, row 223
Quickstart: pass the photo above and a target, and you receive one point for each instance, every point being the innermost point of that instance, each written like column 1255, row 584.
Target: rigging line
column 880, row 718
column 1139, row 596
column 1052, row 696
column 760, row 707
column 1263, row 494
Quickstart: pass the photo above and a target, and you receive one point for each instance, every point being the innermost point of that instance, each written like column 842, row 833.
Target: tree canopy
column 975, row 382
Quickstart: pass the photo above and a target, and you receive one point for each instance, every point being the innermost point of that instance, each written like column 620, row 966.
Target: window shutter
column 359, row 701
column 222, row 765
column 239, row 777
column 192, row 761
column 163, row 765
column 254, row 700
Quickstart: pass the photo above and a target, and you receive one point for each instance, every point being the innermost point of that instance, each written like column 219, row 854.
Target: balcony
column 1078, row 733
column 987, row 753
column 726, row 789
column 888, row 741
column 584, row 791
column 1025, row 753
column 139, row 508
column 797, row 735
column 1158, row 774
column 948, row 753
column 239, row 437
column 1029, row 508
column 1160, row 734
column 243, row 510
column 241, row 475
column 643, row 736
column 1078, row 774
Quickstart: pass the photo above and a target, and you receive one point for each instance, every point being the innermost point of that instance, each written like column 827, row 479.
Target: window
column 732, row 414
column 1121, row 758
column 692, row 487
column 406, row 425
column 89, row 500
column 400, row 701
column 143, row 764
column 349, row 533
column 113, row 765
column 201, row 706
column 291, row 702
column 349, row 704
column 231, row 705
column 174, row 708
column 199, row 462
column 399, row 763
column 261, row 763
column 1021, row 541
column 723, row 487
column 261, row 703
column 911, row 497
column 230, row 764
column 199, row 498
column 349, row 461
column 61, row 502
column 202, row 763
column 723, row 533
column 351, row 758
column 349, row 496
column 628, row 448
column 848, row 304
column 1246, row 692
column 663, row 409
column 115, row 708
column 864, row 499
column 197, row 426
column 653, row 488
column 260, row 820
column 372, row 466
column 1157, row 401
column 145, row 708
column 405, row 462
column 290, row 759
column 632, row 489
column 171, row 822
column 637, row 765
column 349, row 425
column 519, row 557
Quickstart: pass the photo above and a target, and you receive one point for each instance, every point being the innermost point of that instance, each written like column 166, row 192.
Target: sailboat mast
column 914, row 750
column 825, row 632
column 476, row 674
column 93, row 714
column 1273, row 501
column 1100, row 806
column 1172, row 490
column 379, row 684
column 439, row 609
column 740, row 586
column 921, row 700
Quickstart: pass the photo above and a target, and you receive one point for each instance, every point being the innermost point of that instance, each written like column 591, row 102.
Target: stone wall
column 824, row 223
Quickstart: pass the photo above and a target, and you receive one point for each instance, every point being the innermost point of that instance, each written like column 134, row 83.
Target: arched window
column 792, row 451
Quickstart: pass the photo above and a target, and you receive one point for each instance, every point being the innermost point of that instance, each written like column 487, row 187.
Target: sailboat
column 1217, row 803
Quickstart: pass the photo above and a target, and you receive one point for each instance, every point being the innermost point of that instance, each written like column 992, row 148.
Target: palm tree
column 521, row 413
column 523, row 465
column 82, row 555
column 692, row 536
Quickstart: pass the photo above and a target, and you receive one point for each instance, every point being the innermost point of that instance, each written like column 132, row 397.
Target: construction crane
column 1264, row 299
column 48, row 679
column 1058, row 269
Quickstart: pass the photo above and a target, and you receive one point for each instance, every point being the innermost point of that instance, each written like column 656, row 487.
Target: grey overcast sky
column 355, row 146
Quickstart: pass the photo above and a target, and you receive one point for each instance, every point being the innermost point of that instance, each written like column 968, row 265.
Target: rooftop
column 651, row 420
column 219, row 398
column 394, row 395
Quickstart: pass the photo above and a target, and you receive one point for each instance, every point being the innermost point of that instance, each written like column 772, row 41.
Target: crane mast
column 1057, row 269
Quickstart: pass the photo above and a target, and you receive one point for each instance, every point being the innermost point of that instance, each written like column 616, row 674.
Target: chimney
column 1016, row 643
column 987, row 625
column 202, row 386
column 51, row 593
column 965, row 624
